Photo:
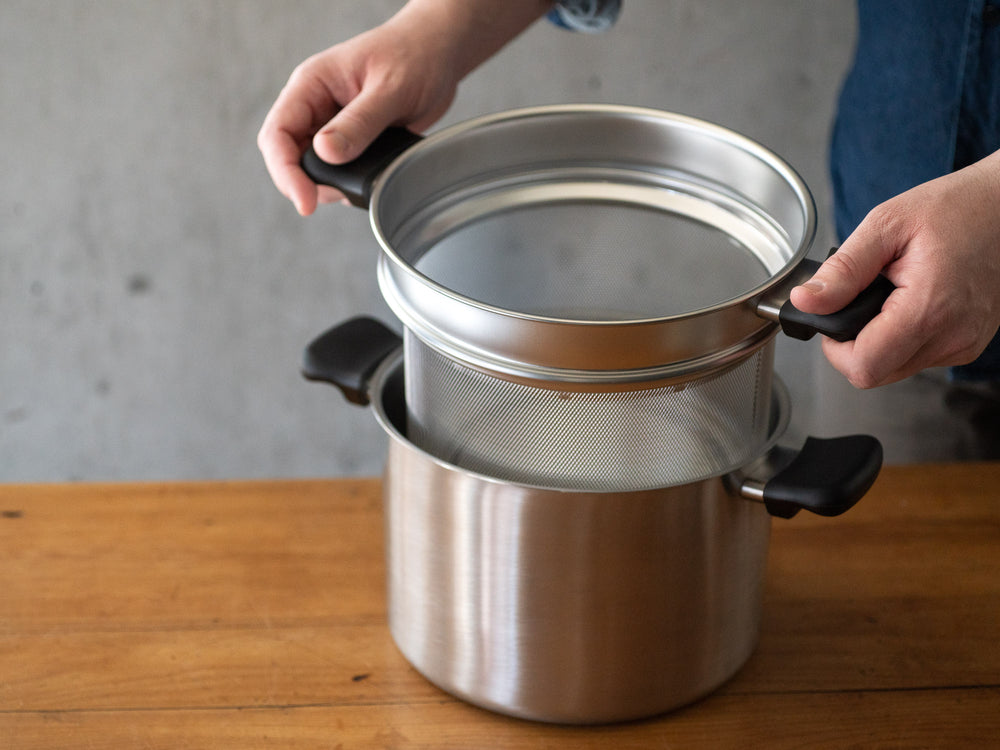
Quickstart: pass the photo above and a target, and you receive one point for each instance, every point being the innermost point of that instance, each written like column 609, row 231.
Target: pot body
column 566, row 606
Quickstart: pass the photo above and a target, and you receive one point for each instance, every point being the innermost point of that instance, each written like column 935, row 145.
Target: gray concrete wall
column 156, row 292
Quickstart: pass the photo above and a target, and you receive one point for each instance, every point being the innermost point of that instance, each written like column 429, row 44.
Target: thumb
column 842, row 276
column 353, row 129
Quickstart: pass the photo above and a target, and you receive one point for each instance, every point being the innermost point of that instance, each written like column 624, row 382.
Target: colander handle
column 826, row 476
column 356, row 178
column 843, row 325
column 348, row 354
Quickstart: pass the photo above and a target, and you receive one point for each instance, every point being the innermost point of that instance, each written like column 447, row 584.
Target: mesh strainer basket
column 596, row 437
column 590, row 293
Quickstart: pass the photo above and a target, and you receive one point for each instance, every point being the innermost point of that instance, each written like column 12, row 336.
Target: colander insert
column 575, row 282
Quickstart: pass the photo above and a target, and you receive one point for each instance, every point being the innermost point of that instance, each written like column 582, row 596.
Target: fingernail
column 813, row 286
column 337, row 142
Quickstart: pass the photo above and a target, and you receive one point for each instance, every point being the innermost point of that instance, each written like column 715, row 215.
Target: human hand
column 939, row 243
column 404, row 72
column 340, row 99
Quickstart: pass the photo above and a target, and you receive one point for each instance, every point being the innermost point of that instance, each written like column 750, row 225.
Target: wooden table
column 252, row 614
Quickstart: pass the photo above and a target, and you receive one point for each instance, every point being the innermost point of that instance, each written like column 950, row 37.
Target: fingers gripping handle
column 356, row 179
column 843, row 325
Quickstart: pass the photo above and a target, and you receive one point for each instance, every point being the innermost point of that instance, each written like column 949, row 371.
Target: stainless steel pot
column 577, row 606
column 590, row 293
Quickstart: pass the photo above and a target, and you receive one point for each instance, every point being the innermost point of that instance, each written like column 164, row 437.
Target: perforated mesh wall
column 603, row 440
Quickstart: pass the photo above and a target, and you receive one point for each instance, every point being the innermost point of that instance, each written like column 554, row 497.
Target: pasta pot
column 572, row 605
column 590, row 293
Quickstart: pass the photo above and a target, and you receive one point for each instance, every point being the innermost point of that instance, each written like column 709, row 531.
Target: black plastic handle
column 827, row 477
column 348, row 354
column 356, row 178
column 844, row 325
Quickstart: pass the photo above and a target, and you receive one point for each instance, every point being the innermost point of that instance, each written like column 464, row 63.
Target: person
column 915, row 156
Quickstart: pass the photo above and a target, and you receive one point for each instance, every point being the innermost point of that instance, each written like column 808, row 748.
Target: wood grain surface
column 252, row 615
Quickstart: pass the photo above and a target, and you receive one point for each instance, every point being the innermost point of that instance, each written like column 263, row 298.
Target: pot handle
column 348, row 354
column 356, row 178
column 843, row 325
column 826, row 477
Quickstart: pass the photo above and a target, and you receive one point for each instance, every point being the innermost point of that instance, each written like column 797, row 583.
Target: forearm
column 471, row 31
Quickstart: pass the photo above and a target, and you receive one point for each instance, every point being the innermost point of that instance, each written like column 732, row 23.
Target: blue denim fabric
column 921, row 100
column 590, row 16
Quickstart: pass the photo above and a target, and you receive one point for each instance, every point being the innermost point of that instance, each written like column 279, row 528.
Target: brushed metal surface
column 562, row 606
